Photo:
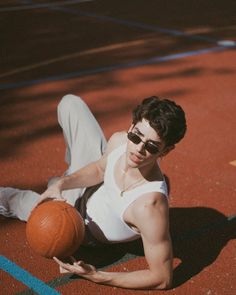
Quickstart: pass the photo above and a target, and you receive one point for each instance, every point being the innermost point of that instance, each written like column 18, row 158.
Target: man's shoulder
column 117, row 139
column 147, row 206
column 149, row 213
column 150, row 204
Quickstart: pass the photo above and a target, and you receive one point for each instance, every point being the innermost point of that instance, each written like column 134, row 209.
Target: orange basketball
column 55, row 228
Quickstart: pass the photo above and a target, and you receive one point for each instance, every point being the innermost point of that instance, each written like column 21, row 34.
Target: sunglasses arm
column 131, row 128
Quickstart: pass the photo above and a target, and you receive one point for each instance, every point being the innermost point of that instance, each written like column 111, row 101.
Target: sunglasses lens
column 151, row 148
column 134, row 137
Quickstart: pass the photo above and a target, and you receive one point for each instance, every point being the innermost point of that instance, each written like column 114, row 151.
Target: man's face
column 139, row 155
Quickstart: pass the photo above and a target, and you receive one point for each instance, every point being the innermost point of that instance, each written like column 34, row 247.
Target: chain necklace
column 129, row 186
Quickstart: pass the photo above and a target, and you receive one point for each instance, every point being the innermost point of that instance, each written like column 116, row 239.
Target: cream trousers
column 85, row 143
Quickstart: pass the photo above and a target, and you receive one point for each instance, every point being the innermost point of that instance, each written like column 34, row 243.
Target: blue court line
column 25, row 277
column 41, row 5
column 137, row 63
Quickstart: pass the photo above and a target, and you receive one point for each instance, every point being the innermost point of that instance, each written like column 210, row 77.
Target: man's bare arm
column 152, row 222
column 87, row 176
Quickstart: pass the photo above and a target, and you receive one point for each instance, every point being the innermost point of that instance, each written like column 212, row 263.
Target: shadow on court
column 199, row 235
column 93, row 35
column 77, row 37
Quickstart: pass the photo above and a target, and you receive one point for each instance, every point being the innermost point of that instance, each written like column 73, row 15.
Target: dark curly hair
column 165, row 116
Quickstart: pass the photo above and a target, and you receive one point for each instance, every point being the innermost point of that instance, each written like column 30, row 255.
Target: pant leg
column 17, row 203
column 85, row 141
column 85, row 144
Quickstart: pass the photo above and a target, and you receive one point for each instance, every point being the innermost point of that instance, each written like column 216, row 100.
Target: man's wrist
column 60, row 183
column 99, row 277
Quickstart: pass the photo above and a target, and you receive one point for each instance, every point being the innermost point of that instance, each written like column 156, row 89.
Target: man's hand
column 78, row 267
column 53, row 192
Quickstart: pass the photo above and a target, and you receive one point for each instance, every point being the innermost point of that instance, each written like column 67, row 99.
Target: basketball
column 55, row 228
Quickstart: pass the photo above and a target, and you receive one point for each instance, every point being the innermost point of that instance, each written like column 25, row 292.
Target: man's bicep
column 156, row 238
column 159, row 255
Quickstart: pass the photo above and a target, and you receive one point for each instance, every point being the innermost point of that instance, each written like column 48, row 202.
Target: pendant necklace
column 129, row 186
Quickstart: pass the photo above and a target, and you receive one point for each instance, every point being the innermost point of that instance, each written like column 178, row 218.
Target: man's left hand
column 78, row 267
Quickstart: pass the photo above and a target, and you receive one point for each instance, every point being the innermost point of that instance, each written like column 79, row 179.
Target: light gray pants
column 85, row 143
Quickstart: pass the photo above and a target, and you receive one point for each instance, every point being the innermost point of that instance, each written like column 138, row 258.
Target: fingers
column 63, row 270
column 81, row 263
column 64, row 267
column 68, row 268
column 61, row 200
column 51, row 193
column 57, row 260
column 62, row 264
column 73, row 260
column 77, row 263
column 41, row 200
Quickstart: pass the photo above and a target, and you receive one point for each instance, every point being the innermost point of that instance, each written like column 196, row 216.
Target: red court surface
column 88, row 49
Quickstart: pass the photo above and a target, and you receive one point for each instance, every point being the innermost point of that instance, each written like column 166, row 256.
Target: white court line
column 42, row 5
column 65, row 57
column 136, row 63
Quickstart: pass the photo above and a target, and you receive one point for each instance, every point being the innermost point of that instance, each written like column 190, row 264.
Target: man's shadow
column 198, row 234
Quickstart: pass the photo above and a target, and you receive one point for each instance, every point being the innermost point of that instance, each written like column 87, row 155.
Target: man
column 119, row 189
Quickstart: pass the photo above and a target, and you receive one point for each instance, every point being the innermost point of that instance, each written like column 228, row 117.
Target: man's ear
column 167, row 150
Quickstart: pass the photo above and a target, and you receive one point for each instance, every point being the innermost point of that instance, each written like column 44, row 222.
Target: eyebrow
column 158, row 143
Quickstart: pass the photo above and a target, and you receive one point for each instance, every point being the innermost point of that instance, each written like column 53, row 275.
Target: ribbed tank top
column 105, row 208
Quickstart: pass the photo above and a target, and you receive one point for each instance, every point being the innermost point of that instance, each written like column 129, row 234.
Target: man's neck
column 150, row 172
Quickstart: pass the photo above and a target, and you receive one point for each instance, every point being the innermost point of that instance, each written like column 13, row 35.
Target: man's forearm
column 141, row 279
column 85, row 177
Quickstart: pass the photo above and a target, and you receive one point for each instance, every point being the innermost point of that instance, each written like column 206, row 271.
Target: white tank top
column 106, row 207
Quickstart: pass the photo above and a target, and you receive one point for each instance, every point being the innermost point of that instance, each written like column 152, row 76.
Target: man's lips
column 135, row 158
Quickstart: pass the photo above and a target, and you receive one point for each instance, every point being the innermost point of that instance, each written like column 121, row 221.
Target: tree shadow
column 44, row 53
column 198, row 234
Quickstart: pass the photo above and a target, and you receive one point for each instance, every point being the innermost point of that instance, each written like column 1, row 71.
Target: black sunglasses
column 148, row 145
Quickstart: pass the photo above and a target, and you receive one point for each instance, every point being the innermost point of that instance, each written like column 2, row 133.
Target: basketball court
column 113, row 54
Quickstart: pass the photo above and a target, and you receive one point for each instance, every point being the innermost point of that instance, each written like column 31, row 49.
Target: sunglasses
column 148, row 145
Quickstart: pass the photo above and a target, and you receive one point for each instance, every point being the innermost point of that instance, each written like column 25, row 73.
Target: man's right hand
column 53, row 192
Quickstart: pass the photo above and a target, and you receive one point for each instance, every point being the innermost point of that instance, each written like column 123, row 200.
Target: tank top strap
column 116, row 153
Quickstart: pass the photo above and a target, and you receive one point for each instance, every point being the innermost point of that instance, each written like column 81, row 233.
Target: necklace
column 129, row 186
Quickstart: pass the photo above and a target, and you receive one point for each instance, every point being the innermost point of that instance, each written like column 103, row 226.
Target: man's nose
column 141, row 147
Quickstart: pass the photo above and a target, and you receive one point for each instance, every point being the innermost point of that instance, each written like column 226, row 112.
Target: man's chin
column 134, row 164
